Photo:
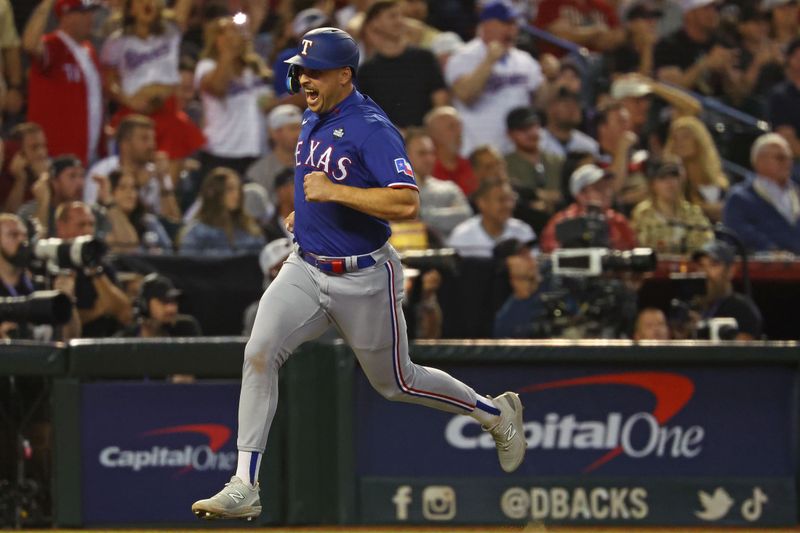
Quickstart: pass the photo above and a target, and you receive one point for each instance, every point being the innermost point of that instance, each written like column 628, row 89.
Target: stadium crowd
column 168, row 129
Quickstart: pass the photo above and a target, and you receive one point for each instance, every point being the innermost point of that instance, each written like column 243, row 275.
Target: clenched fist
column 317, row 187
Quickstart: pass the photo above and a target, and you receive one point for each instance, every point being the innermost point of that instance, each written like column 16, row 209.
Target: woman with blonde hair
column 141, row 74
column 706, row 183
column 221, row 226
column 234, row 84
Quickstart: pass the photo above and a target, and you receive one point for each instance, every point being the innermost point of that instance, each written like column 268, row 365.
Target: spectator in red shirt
column 64, row 85
column 593, row 189
column 589, row 23
column 444, row 126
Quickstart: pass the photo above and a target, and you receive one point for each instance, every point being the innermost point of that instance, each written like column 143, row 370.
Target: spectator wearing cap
column 270, row 260
column 64, row 84
column 233, row 84
column 590, row 23
column 635, row 52
column 636, row 92
column 666, row 221
column 529, row 167
column 63, row 183
column 136, row 155
column 716, row 260
column 443, row 204
column 593, row 190
column 157, row 312
column 534, row 175
column 305, row 21
column 693, row 57
column 25, row 160
column 283, row 198
column 405, row 81
column 490, row 76
column 765, row 211
column 561, row 134
column 221, row 225
column 783, row 106
column 102, row 305
column 784, row 17
column 617, row 142
column 445, row 127
column 11, row 98
column 283, row 124
column 478, row 235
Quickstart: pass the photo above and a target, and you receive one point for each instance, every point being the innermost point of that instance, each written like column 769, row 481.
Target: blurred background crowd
column 548, row 138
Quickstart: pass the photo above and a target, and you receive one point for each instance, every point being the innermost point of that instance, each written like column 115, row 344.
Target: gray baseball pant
column 366, row 307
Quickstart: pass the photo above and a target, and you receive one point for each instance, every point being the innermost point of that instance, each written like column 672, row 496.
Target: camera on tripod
column 585, row 249
column 443, row 259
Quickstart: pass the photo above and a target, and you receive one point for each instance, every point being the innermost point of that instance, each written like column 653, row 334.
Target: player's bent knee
column 392, row 393
column 261, row 354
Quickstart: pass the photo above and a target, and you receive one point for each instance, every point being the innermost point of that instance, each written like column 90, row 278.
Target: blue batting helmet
column 322, row 49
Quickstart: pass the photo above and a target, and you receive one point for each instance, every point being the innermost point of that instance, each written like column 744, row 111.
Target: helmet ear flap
column 293, row 79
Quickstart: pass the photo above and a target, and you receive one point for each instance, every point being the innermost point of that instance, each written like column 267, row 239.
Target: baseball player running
column 352, row 175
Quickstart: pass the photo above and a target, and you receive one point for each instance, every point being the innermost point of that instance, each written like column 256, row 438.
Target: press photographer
column 15, row 258
column 716, row 260
column 102, row 304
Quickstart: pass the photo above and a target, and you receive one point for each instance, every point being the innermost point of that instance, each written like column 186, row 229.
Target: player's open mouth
column 312, row 95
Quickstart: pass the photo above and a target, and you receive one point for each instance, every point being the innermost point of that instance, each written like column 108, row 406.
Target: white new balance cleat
column 508, row 433
column 236, row 500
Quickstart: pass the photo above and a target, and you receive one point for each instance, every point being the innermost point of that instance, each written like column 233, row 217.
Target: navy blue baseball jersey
column 354, row 144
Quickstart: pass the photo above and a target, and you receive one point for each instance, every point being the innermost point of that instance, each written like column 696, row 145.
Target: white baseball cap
column 766, row 5
column 689, row 5
column 584, row 176
column 274, row 254
column 629, row 87
column 284, row 114
column 446, row 42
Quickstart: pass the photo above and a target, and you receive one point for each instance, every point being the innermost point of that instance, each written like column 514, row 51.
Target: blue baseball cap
column 498, row 11
column 718, row 251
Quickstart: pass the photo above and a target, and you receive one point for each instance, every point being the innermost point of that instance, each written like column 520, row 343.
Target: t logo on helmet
column 306, row 45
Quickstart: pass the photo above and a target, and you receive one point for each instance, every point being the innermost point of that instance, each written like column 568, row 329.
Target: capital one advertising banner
column 149, row 450
column 693, row 445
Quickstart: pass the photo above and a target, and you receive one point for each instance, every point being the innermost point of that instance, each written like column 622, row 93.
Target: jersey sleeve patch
column 403, row 167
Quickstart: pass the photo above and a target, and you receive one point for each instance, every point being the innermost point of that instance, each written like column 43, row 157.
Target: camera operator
column 593, row 189
column 157, row 311
column 16, row 281
column 716, row 260
column 102, row 305
column 523, row 309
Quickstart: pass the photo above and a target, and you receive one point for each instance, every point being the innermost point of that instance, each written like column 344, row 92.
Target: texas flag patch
column 403, row 167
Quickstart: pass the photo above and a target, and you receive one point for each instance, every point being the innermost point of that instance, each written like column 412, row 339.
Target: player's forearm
column 384, row 202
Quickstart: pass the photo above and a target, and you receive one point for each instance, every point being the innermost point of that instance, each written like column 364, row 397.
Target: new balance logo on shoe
column 510, row 432
column 236, row 496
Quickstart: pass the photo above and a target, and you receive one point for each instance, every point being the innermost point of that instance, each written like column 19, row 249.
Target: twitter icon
column 715, row 506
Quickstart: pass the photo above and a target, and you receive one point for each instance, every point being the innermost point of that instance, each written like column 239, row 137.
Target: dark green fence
column 309, row 472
